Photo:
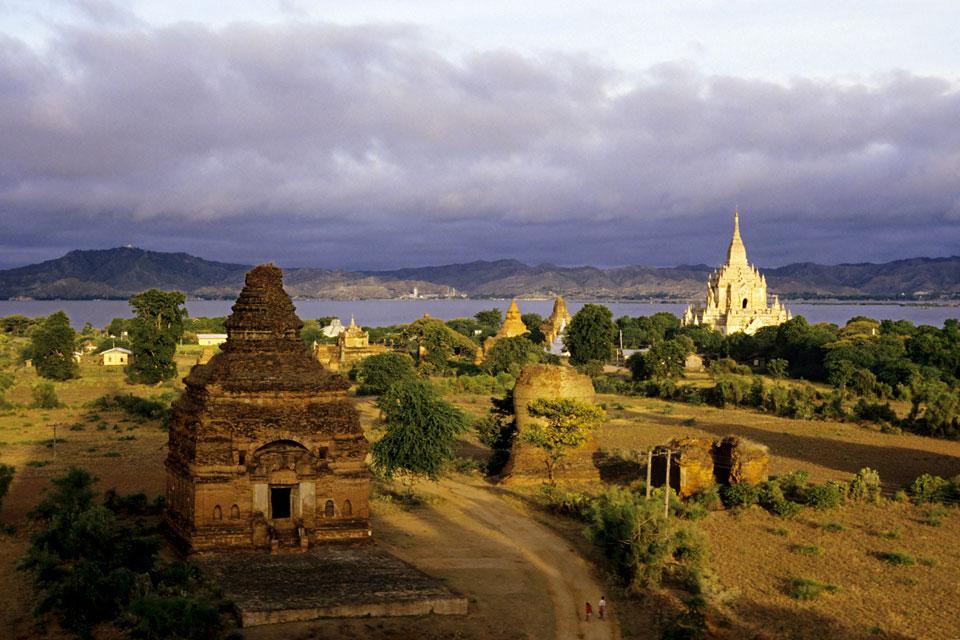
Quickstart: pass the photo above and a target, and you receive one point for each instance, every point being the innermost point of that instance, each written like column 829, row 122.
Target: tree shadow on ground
column 899, row 465
column 762, row 621
column 615, row 469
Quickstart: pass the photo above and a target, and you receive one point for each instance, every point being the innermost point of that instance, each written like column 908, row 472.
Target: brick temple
column 266, row 449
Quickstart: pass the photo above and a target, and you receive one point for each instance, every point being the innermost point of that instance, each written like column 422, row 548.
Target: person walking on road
column 601, row 607
column 589, row 610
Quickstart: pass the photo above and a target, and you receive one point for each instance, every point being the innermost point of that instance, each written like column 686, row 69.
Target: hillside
column 122, row 272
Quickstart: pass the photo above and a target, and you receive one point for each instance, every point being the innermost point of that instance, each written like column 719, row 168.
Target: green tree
column 52, row 348
column 45, row 396
column 154, row 333
column 19, row 326
column 564, row 425
column 379, row 372
column 510, row 355
column 117, row 326
column 489, row 321
column 777, row 368
column 435, row 343
column 468, row 327
column 312, row 331
column 533, row 321
column 421, row 430
column 589, row 337
column 664, row 359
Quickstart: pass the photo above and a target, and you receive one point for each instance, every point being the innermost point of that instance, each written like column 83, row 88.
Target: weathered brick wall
column 264, row 413
column 549, row 382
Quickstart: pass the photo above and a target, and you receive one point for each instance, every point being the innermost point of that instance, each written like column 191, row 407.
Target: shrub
column 824, row 496
column 45, row 396
column 896, row 558
column 741, row 494
column 591, row 369
column 188, row 618
column 689, row 624
column 933, row 517
column 727, row 391
column 874, row 412
column 566, row 503
column 708, row 498
column 808, row 589
column 934, row 489
column 612, row 384
column 807, row 549
column 641, row 544
column 722, row 366
column 770, row 497
column 143, row 408
column 833, row 527
column 794, row 485
column 865, row 487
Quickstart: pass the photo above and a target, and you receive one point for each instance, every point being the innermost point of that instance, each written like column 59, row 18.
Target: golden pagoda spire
column 737, row 253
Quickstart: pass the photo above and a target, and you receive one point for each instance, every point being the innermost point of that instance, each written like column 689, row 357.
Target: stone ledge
column 330, row 582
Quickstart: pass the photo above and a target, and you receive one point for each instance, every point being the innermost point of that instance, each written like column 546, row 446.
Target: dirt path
column 570, row 580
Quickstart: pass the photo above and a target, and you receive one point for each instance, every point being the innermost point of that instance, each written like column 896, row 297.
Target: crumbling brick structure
column 550, row 382
column 698, row 463
column 740, row 460
column 265, row 448
column 691, row 465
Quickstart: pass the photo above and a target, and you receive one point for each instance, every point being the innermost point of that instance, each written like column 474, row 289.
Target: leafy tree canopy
column 52, row 348
column 489, row 320
column 533, row 321
column 421, row 430
column 379, row 372
column 590, row 335
column 435, row 343
column 664, row 359
column 510, row 355
column 154, row 333
column 564, row 424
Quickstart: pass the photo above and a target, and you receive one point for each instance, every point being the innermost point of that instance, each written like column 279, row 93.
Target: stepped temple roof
column 263, row 351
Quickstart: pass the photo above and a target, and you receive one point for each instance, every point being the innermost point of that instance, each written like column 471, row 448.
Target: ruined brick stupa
column 265, row 449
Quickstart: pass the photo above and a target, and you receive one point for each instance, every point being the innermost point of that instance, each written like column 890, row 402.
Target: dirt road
column 569, row 579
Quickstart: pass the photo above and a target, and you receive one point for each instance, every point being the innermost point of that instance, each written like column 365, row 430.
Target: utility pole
column 649, row 470
column 666, row 488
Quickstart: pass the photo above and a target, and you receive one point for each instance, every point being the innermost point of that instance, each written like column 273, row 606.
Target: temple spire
column 737, row 253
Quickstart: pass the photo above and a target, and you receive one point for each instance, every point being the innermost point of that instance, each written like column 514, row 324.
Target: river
column 375, row 313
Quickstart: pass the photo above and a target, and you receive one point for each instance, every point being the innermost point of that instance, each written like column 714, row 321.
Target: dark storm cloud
column 363, row 147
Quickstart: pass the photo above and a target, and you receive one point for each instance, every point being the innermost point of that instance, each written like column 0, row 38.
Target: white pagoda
column 736, row 295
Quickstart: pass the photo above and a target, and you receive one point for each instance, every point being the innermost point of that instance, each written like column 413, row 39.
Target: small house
column 211, row 339
column 115, row 357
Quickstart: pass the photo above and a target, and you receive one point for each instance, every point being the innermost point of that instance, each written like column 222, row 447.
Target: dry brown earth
column 527, row 579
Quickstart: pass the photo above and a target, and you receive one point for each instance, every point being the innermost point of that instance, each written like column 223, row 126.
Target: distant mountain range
column 122, row 272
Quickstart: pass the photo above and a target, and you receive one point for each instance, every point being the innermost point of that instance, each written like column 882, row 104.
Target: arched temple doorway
column 283, row 475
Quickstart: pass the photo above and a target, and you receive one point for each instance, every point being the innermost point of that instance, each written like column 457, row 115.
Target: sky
column 383, row 134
